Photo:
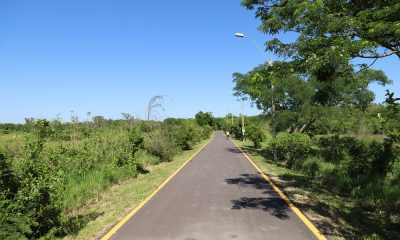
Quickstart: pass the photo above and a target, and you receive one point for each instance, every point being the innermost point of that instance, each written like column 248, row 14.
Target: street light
column 241, row 35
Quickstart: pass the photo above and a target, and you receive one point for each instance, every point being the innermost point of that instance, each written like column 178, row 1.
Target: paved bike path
column 217, row 195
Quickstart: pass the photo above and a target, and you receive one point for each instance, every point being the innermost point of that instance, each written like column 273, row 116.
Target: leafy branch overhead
column 329, row 33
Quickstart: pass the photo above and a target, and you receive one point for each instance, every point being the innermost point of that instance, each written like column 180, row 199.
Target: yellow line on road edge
column 303, row 218
column 138, row 207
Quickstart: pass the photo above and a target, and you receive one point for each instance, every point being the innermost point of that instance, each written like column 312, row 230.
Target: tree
column 330, row 33
column 99, row 121
column 204, row 118
column 390, row 119
column 292, row 92
column 88, row 116
column 129, row 118
column 299, row 97
column 154, row 104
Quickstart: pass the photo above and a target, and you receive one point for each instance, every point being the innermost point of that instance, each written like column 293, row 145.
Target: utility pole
column 274, row 153
column 242, row 114
column 241, row 35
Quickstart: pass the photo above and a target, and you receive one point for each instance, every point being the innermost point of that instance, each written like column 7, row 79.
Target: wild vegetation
column 56, row 167
column 328, row 129
column 351, row 165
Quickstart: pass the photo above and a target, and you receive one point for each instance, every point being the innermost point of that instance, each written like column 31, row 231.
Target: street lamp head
column 239, row 35
column 270, row 63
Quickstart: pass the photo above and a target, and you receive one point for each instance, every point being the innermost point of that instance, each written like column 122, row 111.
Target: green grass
column 14, row 139
column 79, row 189
column 99, row 214
column 335, row 216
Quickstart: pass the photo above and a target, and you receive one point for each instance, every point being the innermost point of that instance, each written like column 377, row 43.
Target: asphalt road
column 217, row 195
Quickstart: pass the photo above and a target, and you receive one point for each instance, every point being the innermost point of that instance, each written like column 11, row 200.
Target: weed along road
column 218, row 194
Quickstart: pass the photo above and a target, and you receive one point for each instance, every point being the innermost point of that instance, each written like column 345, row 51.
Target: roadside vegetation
column 50, row 170
column 348, row 184
column 334, row 145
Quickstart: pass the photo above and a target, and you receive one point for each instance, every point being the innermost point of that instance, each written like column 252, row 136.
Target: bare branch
column 153, row 105
column 373, row 63
column 378, row 56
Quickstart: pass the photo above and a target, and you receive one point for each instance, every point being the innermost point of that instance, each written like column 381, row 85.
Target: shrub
column 207, row 130
column 8, row 184
column 158, row 144
column 13, row 224
column 135, row 140
column 184, row 133
column 34, row 191
column 331, row 147
column 391, row 203
column 311, row 166
column 236, row 130
column 40, row 194
column 394, row 174
column 255, row 134
column 324, row 173
column 366, row 158
column 293, row 147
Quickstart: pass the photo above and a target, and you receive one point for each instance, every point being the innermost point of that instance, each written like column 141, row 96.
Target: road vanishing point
column 217, row 195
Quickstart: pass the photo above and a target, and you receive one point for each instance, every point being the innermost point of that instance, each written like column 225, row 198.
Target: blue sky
column 109, row 57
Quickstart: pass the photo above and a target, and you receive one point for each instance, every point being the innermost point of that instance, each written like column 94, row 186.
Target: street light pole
column 241, row 35
column 242, row 113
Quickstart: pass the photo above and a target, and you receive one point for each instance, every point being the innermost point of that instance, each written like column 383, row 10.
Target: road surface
column 217, row 195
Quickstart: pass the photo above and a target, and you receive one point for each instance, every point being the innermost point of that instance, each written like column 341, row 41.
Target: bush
column 184, row 133
column 135, row 140
column 255, row 134
column 292, row 148
column 394, row 174
column 158, row 144
column 33, row 191
column 40, row 195
column 207, row 130
column 324, row 173
column 361, row 157
column 8, row 184
column 236, row 130
column 331, row 147
column 311, row 166
column 13, row 224
column 391, row 203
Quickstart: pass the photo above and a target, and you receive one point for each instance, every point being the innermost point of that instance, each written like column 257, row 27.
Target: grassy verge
column 99, row 214
column 336, row 217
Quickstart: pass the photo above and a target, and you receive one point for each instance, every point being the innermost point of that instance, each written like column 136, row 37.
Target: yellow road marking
column 299, row 214
column 138, row 207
